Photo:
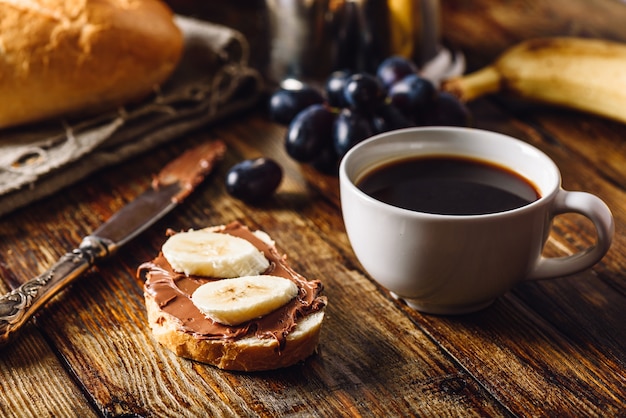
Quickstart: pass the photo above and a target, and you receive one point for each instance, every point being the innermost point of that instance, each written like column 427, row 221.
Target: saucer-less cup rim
column 369, row 214
column 435, row 141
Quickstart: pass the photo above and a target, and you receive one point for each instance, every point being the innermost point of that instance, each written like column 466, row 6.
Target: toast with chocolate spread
column 225, row 296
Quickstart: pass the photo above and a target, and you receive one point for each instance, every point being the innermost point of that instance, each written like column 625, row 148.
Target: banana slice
column 206, row 253
column 235, row 301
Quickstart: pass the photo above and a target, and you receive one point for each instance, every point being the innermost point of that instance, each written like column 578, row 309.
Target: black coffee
column 448, row 186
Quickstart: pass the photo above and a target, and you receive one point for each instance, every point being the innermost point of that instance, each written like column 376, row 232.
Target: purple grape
column 254, row 180
column 363, row 92
column 390, row 117
column 334, row 86
column 413, row 95
column 327, row 160
column 448, row 110
column 394, row 69
column 350, row 128
column 285, row 103
column 309, row 132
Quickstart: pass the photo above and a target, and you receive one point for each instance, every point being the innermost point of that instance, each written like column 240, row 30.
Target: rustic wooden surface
column 551, row 348
column 483, row 28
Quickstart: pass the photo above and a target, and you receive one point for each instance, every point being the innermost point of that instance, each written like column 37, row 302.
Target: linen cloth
column 212, row 80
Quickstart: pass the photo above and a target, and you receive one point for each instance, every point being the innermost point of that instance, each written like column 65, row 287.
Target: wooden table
column 551, row 348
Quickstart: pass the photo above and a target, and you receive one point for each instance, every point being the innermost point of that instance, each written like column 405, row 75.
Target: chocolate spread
column 190, row 168
column 172, row 292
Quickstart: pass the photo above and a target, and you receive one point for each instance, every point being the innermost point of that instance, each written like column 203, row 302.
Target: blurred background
column 453, row 23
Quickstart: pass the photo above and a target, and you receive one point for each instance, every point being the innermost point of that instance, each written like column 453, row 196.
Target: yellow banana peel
column 579, row 73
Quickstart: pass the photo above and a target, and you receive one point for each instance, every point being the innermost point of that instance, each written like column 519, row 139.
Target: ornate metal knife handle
column 19, row 305
column 169, row 188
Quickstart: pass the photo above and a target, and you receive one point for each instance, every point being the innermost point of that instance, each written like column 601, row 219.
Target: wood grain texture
column 550, row 348
column 482, row 29
column 105, row 339
column 35, row 383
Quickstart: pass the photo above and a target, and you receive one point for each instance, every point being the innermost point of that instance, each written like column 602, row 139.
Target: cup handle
column 598, row 212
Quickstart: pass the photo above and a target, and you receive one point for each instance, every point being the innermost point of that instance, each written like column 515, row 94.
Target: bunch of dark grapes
column 324, row 125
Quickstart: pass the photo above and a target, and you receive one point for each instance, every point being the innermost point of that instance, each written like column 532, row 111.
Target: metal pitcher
column 311, row 38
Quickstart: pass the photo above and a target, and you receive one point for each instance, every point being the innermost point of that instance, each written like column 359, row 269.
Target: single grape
column 413, row 95
column 350, row 128
column 389, row 117
column 334, row 86
column 363, row 92
column 448, row 111
column 254, row 180
column 309, row 132
column 286, row 103
column 394, row 69
column 327, row 160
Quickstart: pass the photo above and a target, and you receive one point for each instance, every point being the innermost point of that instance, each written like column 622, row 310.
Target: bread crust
column 247, row 354
column 279, row 339
column 70, row 57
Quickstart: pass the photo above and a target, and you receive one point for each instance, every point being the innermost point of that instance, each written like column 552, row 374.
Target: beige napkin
column 213, row 80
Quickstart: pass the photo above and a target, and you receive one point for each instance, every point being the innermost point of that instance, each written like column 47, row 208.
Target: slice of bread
column 280, row 339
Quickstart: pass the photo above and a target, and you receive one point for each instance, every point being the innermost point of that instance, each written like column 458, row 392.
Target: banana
column 235, row 301
column 583, row 74
column 206, row 253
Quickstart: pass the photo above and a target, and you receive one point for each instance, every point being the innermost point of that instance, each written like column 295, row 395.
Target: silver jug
column 308, row 39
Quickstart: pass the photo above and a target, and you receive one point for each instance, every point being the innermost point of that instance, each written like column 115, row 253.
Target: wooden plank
column 531, row 366
column 548, row 348
column 33, row 380
column 568, row 318
column 482, row 29
column 559, row 341
column 377, row 366
column 538, row 350
column 570, row 233
column 35, row 383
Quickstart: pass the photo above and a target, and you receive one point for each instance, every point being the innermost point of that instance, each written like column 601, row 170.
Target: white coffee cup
column 454, row 264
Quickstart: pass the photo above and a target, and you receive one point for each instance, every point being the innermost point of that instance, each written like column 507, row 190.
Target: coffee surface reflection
column 448, row 185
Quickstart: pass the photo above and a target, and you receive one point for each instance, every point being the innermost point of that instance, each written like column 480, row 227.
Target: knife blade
column 168, row 189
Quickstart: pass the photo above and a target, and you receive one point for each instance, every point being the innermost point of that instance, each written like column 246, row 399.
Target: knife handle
column 19, row 305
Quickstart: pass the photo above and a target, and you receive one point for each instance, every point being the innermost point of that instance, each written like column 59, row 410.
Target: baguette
column 65, row 58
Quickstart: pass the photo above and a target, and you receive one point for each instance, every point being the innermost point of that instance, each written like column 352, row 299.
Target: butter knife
column 169, row 188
